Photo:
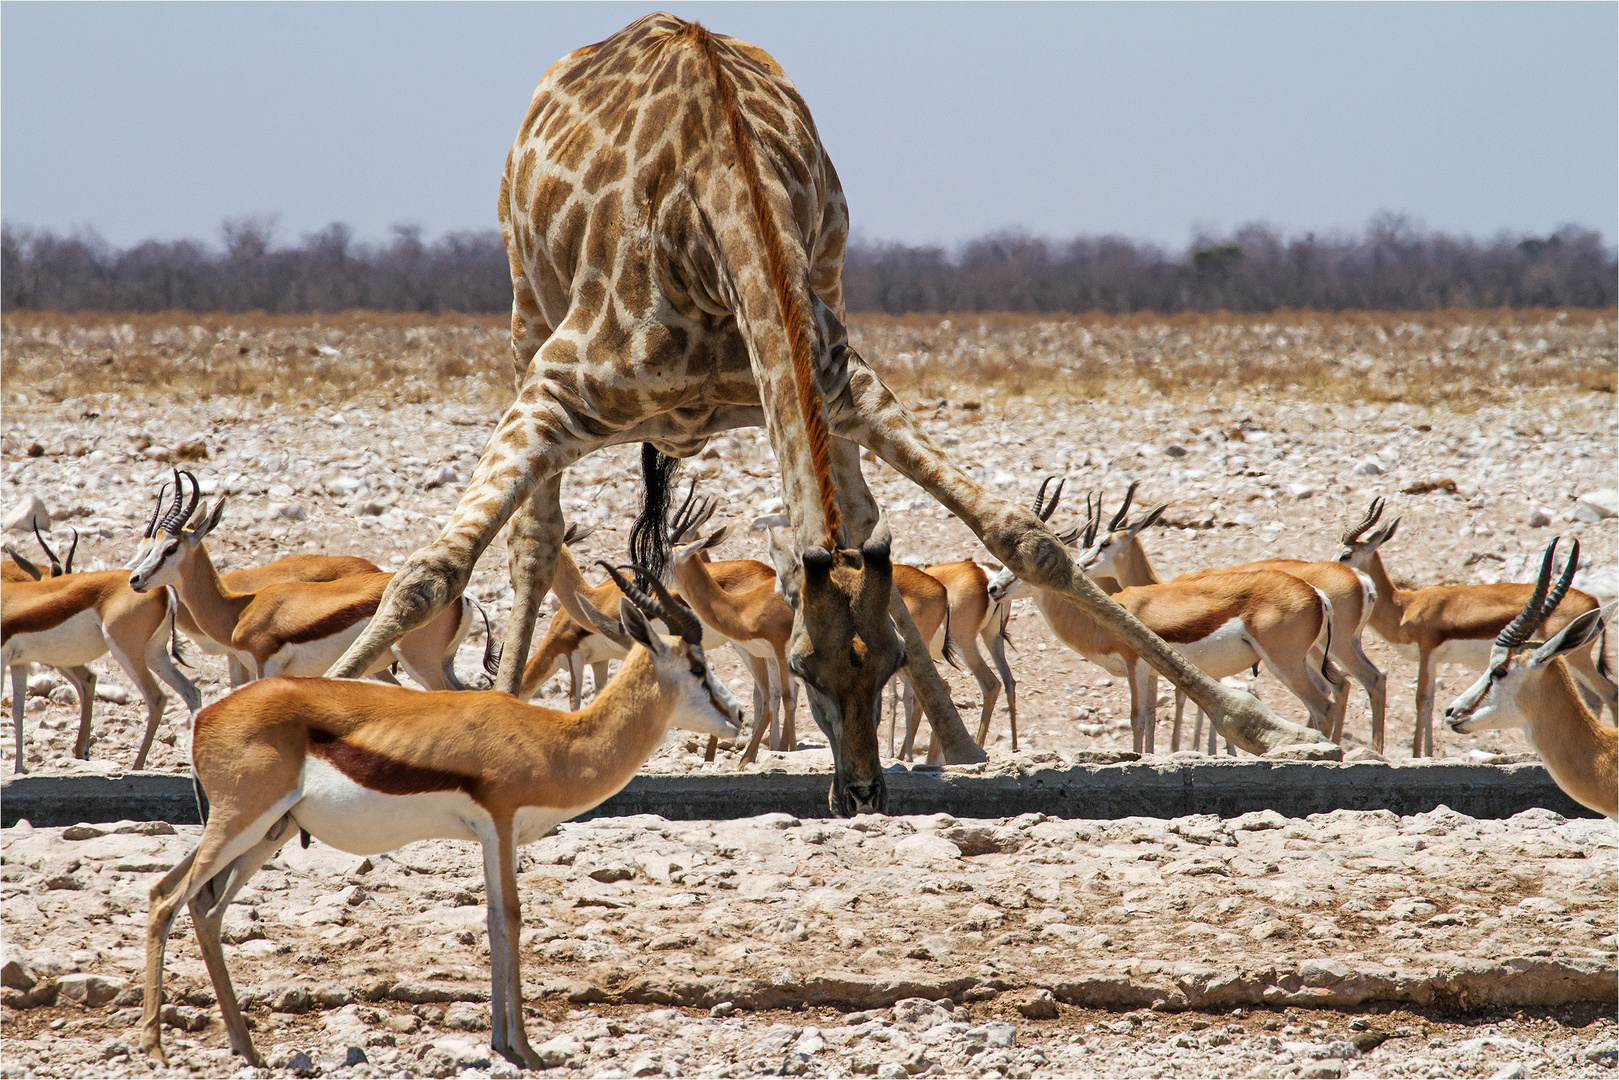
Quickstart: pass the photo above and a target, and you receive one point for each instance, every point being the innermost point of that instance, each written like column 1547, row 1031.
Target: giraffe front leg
column 860, row 517
column 868, row 413
column 535, row 543
column 534, row 441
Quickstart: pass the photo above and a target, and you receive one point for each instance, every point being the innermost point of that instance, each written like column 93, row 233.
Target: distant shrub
column 1390, row 267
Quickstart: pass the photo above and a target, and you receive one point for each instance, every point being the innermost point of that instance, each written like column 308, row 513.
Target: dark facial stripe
column 382, row 773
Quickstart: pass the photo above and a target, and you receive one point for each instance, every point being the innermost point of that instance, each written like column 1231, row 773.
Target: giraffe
column 676, row 233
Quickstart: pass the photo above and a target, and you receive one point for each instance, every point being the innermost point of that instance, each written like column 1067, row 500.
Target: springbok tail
column 952, row 653
column 174, row 632
column 491, row 652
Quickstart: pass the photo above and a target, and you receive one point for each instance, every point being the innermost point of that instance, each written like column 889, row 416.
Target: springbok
column 250, row 579
column 1119, row 554
column 68, row 619
column 368, row 768
column 569, row 641
column 1222, row 624
column 1455, row 624
column 1537, row 694
column 289, row 628
column 975, row 618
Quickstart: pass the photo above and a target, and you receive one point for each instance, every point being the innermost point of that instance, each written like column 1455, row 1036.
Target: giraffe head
column 844, row 594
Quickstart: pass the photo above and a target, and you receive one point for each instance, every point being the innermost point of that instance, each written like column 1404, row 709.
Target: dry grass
column 287, row 359
column 1461, row 358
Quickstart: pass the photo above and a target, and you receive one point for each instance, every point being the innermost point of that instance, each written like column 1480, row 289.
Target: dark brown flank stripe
column 336, row 621
column 34, row 618
column 1198, row 628
column 379, row 772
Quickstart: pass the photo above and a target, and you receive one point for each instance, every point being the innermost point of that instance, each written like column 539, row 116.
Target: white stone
column 1603, row 504
column 288, row 510
column 28, row 514
column 924, row 849
column 1368, row 468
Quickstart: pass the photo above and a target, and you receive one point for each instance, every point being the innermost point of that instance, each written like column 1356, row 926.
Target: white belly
column 757, row 647
column 77, row 641
column 1469, row 652
column 311, row 659
column 1224, row 652
column 357, row 819
column 595, row 649
column 1108, row 662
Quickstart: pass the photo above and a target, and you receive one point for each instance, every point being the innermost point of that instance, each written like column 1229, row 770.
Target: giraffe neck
column 787, row 285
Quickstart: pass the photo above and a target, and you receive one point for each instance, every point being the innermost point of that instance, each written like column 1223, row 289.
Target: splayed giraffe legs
column 868, row 413
column 535, row 544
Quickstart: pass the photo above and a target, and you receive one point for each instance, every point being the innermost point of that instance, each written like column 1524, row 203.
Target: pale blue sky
column 945, row 121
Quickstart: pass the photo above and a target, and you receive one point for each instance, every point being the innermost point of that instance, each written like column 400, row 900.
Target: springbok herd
column 339, row 758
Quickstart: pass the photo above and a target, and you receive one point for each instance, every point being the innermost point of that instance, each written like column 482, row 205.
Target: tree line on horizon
column 1392, row 265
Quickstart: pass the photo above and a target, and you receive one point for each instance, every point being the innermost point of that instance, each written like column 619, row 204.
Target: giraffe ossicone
column 676, row 234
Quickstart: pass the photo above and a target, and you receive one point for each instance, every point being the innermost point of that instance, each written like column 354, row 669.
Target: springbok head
column 1104, row 556
column 167, row 544
column 1005, row 585
column 1507, row 694
column 1356, row 547
column 702, row 703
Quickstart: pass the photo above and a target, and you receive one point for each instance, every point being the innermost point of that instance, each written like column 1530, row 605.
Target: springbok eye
column 697, row 668
column 1499, row 673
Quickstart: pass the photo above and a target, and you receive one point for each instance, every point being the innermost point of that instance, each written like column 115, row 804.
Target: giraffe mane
column 795, row 319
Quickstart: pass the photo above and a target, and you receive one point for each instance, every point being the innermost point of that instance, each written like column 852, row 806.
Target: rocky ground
column 354, row 435
column 876, row 946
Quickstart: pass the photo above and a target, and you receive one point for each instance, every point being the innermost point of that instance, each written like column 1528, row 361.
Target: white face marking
column 156, row 563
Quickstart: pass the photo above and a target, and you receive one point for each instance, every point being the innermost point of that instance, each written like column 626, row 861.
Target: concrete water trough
column 1106, row 786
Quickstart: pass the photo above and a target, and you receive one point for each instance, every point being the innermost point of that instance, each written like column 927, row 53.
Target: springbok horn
column 1560, row 589
column 56, row 567
column 1042, row 509
column 1093, row 517
column 151, row 523
column 1518, row 630
column 176, row 522
column 681, row 619
column 1373, row 512
column 169, row 522
column 679, row 515
column 67, row 563
column 1129, row 496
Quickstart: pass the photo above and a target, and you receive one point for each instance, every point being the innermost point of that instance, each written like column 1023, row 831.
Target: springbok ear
column 1383, row 535
column 1573, row 636
column 209, row 521
column 1148, row 518
column 610, row 629
column 639, row 629
column 782, row 556
column 718, row 537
